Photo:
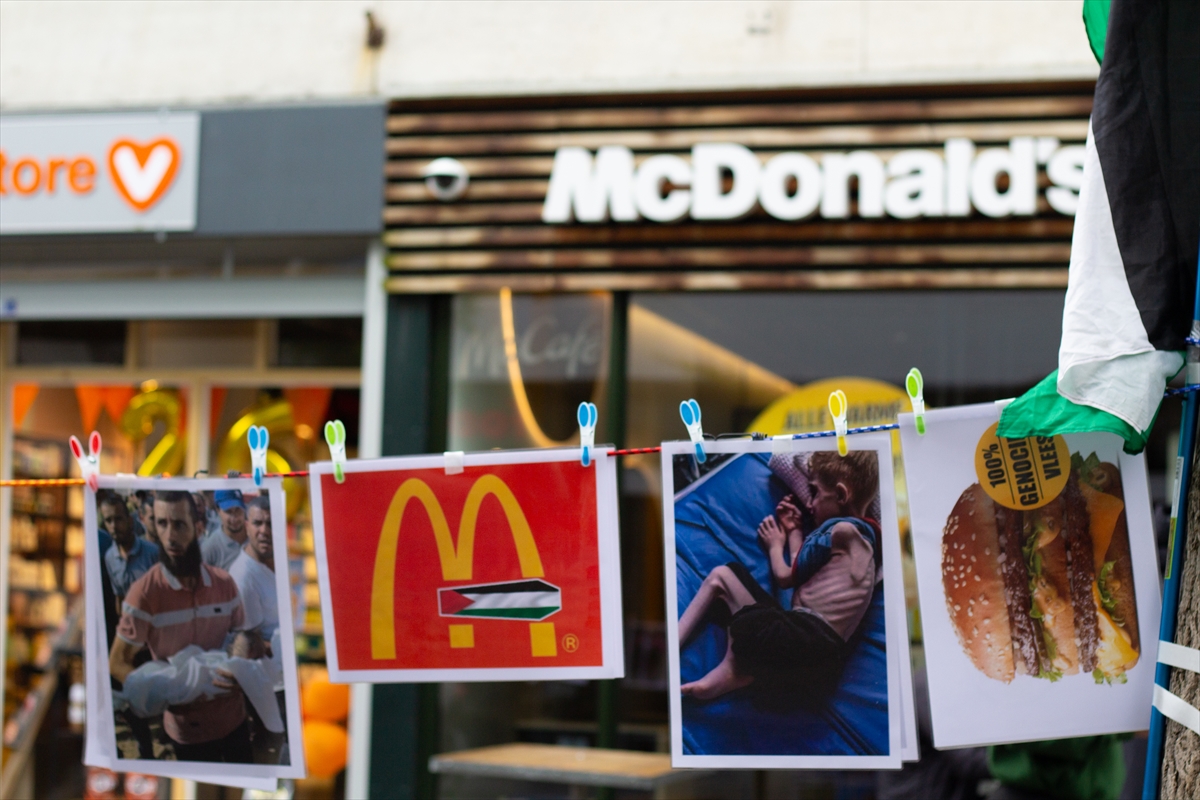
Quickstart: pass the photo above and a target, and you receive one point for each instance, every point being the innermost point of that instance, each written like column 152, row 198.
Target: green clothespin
column 335, row 437
column 915, row 384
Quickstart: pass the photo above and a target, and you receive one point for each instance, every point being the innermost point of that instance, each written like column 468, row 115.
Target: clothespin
column 837, row 409
column 454, row 462
column 689, row 410
column 258, row 438
column 587, row 431
column 89, row 465
column 915, row 384
column 335, row 437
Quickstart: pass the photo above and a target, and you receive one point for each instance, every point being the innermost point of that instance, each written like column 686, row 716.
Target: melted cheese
column 1116, row 652
column 1103, row 510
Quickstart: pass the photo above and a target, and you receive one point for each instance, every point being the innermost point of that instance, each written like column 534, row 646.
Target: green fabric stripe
column 509, row 613
column 1095, row 21
column 1042, row 411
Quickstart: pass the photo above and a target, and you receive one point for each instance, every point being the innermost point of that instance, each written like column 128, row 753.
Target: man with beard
column 221, row 548
column 132, row 555
column 179, row 602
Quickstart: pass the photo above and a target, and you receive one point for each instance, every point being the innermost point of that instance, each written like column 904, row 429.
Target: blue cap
column 229, row 498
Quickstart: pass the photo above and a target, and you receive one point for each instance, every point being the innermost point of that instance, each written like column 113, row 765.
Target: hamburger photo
column 1046, row 592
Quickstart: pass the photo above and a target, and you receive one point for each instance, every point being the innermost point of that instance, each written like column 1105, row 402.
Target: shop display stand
column 45, row 601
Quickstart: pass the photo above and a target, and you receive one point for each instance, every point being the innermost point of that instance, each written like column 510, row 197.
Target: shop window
column 92, row 342
column 202, row 343
column 335, row 342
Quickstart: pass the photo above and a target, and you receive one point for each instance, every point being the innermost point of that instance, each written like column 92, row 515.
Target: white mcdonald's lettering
column 793, row 186
column 456, row 560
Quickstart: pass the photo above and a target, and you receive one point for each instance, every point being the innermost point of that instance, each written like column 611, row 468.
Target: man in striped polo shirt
column 179, row 602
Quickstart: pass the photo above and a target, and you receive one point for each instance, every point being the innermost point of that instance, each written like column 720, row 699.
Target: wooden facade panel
column 511, row 167
column 885, row 111
column 416, row 192
column 806, row 280
column 731, row 257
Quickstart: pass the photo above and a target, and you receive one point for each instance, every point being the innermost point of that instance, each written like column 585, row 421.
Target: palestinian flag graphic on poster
column 1132, row 277
column 510, row 600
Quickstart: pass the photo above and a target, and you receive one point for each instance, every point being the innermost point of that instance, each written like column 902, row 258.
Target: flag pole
column 1177, row 544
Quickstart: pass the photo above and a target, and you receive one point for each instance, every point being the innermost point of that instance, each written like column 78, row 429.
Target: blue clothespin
column 837, row 409
column 89, row 465
column 258, row 438
column 335, row 437
column 587, row 431
column 689, row 410
column 915, row 384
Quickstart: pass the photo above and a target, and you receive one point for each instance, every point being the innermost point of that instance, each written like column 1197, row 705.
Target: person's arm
column 774, row 540
column 846, row 538
column 120, row 659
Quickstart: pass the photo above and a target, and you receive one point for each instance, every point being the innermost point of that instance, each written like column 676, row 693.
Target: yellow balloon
column 144, row 411
column 234, row 453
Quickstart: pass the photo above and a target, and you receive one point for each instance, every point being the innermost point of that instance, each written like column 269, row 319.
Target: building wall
column 95, row 54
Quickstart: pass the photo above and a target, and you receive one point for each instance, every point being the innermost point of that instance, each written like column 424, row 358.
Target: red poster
column 505, row 570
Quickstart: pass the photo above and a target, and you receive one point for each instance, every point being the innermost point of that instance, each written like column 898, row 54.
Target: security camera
column 446, row 178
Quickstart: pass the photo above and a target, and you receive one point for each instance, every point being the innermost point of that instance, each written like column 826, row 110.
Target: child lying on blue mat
column 833, row 574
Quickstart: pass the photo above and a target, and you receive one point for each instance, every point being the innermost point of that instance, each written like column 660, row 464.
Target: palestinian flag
column 1131, row 284
column 531, row 599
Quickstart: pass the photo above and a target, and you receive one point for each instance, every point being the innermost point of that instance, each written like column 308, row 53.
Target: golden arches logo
column 456, row 559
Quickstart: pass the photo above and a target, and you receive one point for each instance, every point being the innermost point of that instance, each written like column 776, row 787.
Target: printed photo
column 506, row 567
column 1036, row 585
column 785, row 605
column 198, row 663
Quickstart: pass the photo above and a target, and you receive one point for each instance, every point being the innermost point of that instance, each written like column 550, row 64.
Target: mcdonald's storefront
column 735, row 247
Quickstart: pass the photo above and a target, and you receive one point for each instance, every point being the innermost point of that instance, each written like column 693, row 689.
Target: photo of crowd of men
column 191, row 614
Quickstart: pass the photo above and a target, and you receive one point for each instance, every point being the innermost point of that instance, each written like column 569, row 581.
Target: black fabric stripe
column 1146, row 124
column 507, row 588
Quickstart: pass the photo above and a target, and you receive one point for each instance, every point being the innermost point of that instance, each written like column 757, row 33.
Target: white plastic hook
column 837, row 409
column 259, row 439
column 915, row 385
column 587, row 431
column 89, row 465
column 335, row 437
column 689, row 410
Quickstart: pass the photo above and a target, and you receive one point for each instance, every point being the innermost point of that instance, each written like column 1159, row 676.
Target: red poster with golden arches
column 507, row 569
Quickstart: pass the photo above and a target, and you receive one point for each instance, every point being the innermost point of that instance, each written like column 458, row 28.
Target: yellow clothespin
column 915, row 384
column 837, row 409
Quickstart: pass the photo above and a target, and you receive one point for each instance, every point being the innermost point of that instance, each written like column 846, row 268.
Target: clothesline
column 632, row 451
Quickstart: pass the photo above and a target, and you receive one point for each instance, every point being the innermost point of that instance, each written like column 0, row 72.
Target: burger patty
column 1081, row 572
column 1016, row 589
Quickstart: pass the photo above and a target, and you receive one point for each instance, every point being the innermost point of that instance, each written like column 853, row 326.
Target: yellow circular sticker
column 1022, row 474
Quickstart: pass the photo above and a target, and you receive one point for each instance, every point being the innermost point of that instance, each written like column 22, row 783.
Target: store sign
column 99, row 173
column 725, row 181
column 504, row 570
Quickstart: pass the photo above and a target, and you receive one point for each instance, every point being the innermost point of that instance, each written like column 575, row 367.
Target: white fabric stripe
column 1176, row 655
column 134, row 611
column 1105, row 359
column 184, row 615
column 1175, row 707
column 514, row 600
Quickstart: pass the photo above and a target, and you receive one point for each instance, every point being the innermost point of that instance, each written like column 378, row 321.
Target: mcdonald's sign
column 507, row 570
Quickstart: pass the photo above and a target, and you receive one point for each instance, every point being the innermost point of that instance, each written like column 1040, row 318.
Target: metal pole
column 1176, row 545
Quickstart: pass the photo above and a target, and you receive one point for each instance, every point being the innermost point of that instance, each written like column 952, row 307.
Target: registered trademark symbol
column 570, row 643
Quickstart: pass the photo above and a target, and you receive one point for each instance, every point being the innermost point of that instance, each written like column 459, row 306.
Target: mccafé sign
column 98, row 173
column 725, row 181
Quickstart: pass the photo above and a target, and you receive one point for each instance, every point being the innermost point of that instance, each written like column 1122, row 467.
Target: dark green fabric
column 1095, row 21
column 1088, row 768
column 1042, row 411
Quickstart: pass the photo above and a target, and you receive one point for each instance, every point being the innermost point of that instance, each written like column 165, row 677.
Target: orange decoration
column 91, row 403
column 309, row 405
column 23, row 397
column 215, row 407
column 116, row 400
column 324, row 701
column 325, row 746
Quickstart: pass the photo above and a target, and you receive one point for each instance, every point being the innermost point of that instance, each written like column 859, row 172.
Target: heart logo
column 142, row 173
